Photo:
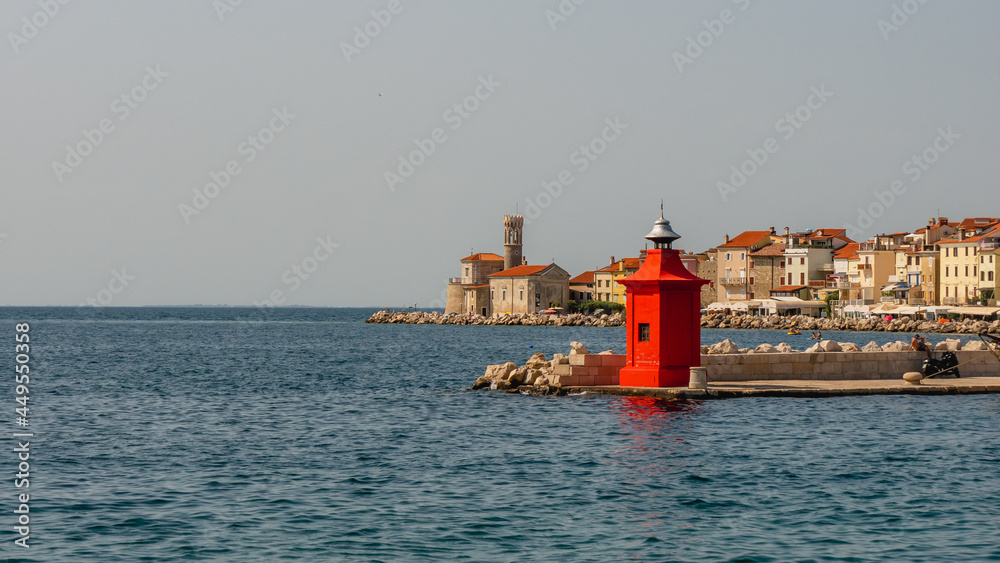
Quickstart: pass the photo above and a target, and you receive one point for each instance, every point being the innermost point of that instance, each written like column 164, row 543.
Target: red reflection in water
column 653, row 457
column 651, row 409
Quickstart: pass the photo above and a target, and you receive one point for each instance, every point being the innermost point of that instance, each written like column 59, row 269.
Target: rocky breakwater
column 536, row 377
column 435, row 318
column 874, row 324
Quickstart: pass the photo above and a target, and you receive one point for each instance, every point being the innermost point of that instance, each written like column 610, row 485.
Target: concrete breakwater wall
column 712, row 320
column 837, row 365
column 580, row 368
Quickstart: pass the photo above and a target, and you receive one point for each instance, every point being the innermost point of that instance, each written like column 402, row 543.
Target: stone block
column 614, row 380
column 869, row 367
column 577, row 359
column 592, row 360
column 562, row 369
column 616, row 360
column 602, row 380
column 607, row 371
column 567, row 380
column 782, row 369
column 586, row 380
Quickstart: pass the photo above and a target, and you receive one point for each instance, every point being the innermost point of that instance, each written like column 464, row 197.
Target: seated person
column 919, row 344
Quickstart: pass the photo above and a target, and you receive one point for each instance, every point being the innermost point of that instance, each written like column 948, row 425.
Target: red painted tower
column 663, row 306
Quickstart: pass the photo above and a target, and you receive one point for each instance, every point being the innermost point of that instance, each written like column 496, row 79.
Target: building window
column 751, row 264
column 946, row 271
column 743, row 256
column 505, row 295
column 782, row 263
column 751, row 283
column 909, row 260
column 729, row 256
column 522, row 295
column 802, row 278
column 493, row 294
column 802, row 261
column 966, row 253
column 990, row 276
column 643, row 332
column 966, row 270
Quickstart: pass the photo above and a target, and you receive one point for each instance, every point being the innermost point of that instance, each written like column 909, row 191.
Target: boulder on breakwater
column 535, row 377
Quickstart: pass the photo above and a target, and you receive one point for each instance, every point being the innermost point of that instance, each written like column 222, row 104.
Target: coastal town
column 943, row 268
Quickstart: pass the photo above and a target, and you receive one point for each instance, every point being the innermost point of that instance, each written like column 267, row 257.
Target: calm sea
column 167, row 434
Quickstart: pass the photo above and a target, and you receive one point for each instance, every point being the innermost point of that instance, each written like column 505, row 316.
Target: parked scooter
column 946, row 366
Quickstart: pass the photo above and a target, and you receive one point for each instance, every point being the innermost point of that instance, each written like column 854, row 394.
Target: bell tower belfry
column 513, row 226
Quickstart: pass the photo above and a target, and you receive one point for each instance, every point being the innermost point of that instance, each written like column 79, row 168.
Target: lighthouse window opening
column 643, row 332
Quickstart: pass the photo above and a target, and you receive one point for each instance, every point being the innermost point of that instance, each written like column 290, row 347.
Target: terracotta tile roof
column 899, row 234
column 785, row 288
column 485, row 256
column 974, row 222
column 848, row 251
column 623, row 264
column 631, row 263
column 519, row 271
column 478, row 286
column 586, row 277
column 746, row 239
column 776, row 249
column 920, row 231
column 951, row 224
column 993, row 233
column 827, row 233
column 953, row 239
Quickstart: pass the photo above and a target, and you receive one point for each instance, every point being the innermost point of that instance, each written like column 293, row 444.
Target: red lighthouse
column 663, row 307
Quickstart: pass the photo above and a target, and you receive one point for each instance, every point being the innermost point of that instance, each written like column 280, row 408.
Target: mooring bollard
column 913, row 377
column 699, row 378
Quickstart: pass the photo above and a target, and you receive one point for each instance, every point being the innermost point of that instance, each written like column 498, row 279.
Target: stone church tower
column 513, row 225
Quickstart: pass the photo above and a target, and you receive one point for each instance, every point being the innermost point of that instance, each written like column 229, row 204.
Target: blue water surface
column 168, row 434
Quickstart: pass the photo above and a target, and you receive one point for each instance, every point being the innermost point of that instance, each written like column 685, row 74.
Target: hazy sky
column 310, row 104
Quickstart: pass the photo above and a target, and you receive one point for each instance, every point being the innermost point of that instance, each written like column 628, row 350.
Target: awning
column 889, row 287
column 739, row 306
column 785, row 303
column 977, row 311
column 884, row 308
column 728, row 306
